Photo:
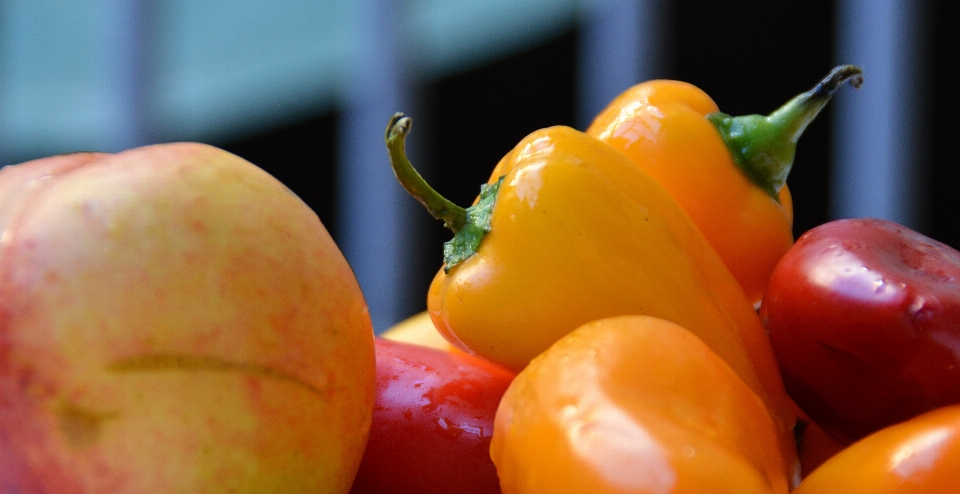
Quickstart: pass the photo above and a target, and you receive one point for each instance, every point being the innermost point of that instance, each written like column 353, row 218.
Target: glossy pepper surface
column 864, row 315
column 432, row 423
column 728, row 173
column 634, row 404
column 919, row 456
column 577, row 233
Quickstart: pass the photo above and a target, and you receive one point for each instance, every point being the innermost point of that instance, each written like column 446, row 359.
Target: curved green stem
column 469, row 225
column 454, row 217
column 764, row 146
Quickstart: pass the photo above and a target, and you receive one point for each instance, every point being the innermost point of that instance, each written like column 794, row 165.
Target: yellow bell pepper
column 568, row 230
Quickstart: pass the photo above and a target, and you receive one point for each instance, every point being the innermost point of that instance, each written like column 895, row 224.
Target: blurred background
column 304, row 89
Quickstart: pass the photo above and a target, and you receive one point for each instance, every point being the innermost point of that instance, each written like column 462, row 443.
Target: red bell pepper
column 864, row 317
column 432, row 422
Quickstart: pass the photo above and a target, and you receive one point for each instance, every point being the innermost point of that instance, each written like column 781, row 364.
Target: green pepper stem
column 764, row 146
column 454, row 217
column 792, row 118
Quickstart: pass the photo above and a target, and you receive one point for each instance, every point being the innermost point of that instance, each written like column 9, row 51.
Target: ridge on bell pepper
column 577, row 233
column 728, row 173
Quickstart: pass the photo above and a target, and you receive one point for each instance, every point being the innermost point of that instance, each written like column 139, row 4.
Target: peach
column 174, row 319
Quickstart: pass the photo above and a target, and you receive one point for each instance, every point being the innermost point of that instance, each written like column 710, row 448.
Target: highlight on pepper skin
column 676, row 133
column 601, row 239
column 864, row 315
column 919, row 456
column 635, row 404
column 432, row 422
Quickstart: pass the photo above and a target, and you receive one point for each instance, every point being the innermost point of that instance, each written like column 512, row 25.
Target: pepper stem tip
column 399, row 126
column 764, row 147
column 453, row 216
column 839, row 75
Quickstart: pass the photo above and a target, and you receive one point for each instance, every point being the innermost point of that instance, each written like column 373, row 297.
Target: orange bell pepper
column 919, row 456
column 635, row 404
column 728, row 173
column 568, row 231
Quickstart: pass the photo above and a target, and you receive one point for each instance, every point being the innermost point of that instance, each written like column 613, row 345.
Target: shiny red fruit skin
column 864, row 317
column 432, row 422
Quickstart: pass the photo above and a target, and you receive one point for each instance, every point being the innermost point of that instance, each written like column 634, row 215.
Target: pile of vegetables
column 621, row 310
column 668, row 334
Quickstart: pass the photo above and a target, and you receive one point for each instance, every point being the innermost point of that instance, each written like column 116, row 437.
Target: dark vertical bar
column 945, row 120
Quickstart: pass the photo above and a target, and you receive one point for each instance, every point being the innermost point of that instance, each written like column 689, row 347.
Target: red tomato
column 432, row 422
column 864, row 316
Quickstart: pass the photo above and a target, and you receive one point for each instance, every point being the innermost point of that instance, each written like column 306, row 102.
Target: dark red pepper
column 432, row 422
column 864, row 316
